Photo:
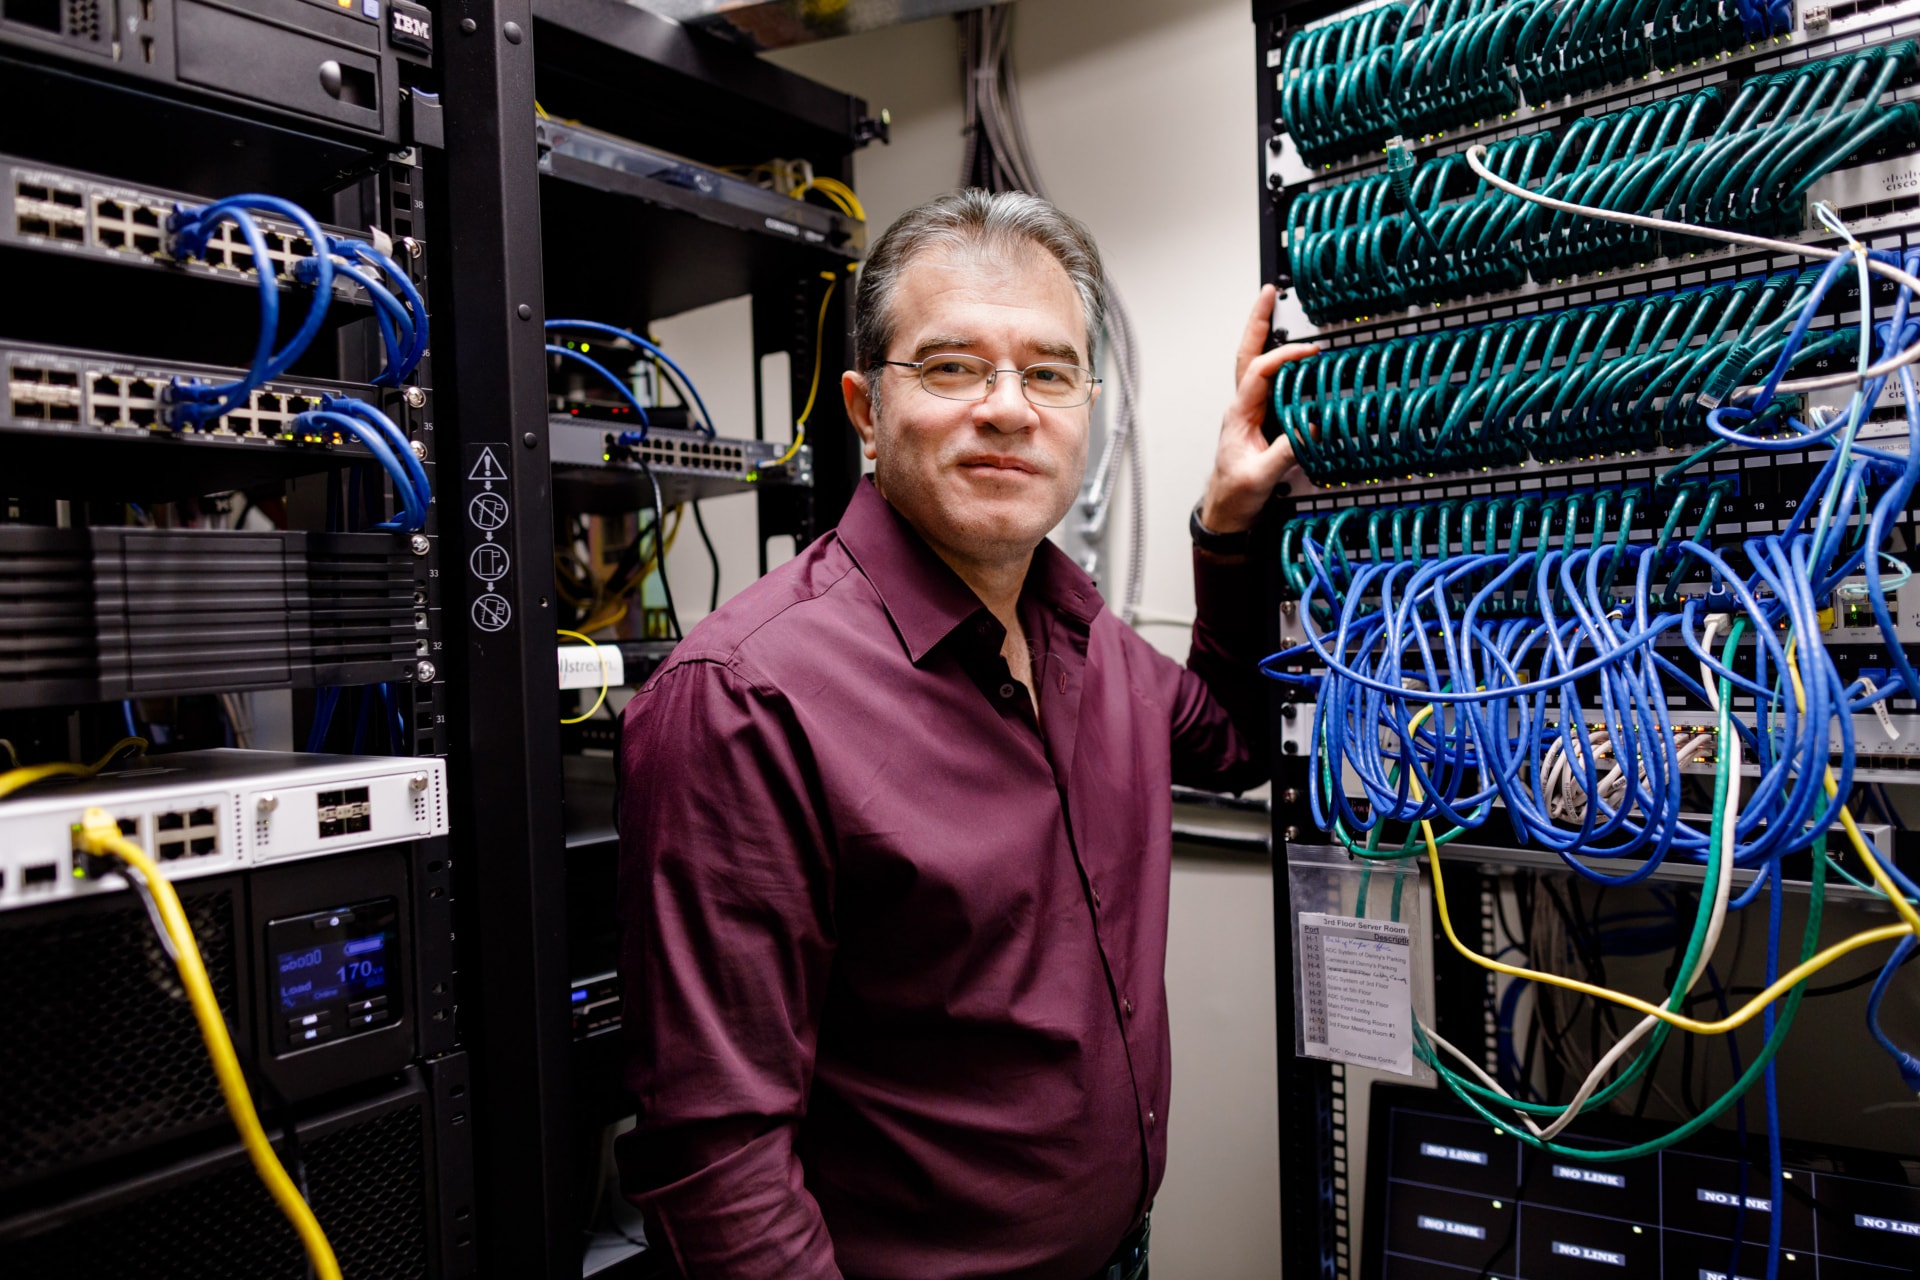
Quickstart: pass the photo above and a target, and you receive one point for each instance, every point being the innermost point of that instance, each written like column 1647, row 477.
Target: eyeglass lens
column 960, row 377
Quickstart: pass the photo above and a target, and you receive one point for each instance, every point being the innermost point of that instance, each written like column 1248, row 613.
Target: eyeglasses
column 958, row 377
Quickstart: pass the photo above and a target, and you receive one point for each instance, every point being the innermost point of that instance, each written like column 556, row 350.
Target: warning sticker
column 489, row 511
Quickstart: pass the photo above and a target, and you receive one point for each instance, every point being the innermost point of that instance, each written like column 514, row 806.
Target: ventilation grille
column 366, row 1181
column 117, row 1062
column 46, row 606
column 361, row 601
column 83, row 19
column 101, row 614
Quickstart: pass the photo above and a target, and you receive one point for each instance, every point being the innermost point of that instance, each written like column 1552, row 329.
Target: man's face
column 981, row 481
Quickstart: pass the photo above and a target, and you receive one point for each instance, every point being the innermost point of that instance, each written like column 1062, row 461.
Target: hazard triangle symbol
column 487, row 467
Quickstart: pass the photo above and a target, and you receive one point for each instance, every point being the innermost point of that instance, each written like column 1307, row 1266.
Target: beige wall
column 1141, row 119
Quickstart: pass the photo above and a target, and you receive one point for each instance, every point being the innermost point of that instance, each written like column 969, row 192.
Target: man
column 896, row 823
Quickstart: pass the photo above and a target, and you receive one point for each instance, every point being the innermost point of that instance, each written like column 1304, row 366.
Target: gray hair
column 965, row 219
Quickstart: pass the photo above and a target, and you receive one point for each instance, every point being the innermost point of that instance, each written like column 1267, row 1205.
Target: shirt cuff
column 747, row 1216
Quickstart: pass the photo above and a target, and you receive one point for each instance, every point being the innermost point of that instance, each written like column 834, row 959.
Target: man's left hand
column 1246, row 468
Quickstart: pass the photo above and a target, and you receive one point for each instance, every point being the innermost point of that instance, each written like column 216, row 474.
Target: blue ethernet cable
column 413, row 515
column 614, row 331
column 402, row 320
column 390, row 431
column 1907, row 1063
column 189, row 402
column 613, row 380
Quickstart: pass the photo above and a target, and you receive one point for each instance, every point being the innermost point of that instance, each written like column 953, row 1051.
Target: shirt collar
column 925, row 599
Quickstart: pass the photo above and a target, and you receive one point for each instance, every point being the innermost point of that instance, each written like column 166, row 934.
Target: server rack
column 624, row 217
column 1320, row 1197
column 172, row 550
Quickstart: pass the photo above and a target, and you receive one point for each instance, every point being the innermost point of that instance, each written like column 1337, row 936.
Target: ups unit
column 388, row 1173
column 98, row 614
column 318, row 892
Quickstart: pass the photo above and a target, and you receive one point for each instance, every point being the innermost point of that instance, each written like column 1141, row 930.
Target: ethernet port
column 170, row 822
column 173, row 849
column 142, row 415
column 69, row 232
column 111, row 237
column 106, row 415
column 201, row 846
column 41, row 876
column 146, row 216
column 203, row 818
column 35, row 226
column 62, row 378
column 271, row 403
column 216, row 256
column 105, row 208
column 146, row 243
column 129, row 827
column 106, row 386
column 71, row 199
column 29, row 409
column 63, row 413
column 30, row 191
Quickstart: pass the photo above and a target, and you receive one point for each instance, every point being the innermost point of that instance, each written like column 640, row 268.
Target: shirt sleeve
column 725, row 898
column 1220, row 707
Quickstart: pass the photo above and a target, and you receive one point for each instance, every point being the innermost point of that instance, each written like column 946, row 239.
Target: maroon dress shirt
column 894, row 950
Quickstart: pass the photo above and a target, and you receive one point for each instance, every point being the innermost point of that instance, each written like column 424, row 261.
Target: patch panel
column 64, row 211
column 1360, row 261
column 200, row 813
column 1845, row 27
column 64, row 388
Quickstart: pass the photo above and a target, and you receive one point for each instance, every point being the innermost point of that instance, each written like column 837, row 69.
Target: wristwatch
column 1218, row 544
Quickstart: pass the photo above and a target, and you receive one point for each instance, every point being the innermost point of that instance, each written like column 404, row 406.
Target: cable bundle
column 389, row 446
column 1436, row 234
column 400, row 311
column 1614, row 377
column 1347, row 86
column 1512, row 666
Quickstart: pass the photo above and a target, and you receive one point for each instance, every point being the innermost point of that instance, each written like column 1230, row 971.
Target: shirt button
column 1006, row 690
column 1149, row 1119
column 1096, row 898
column 1127, row 1006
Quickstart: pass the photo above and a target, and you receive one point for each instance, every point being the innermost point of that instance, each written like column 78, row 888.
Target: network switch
column 65, row 211
column 94, row 391
column 201, row 813
column 599, row 457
